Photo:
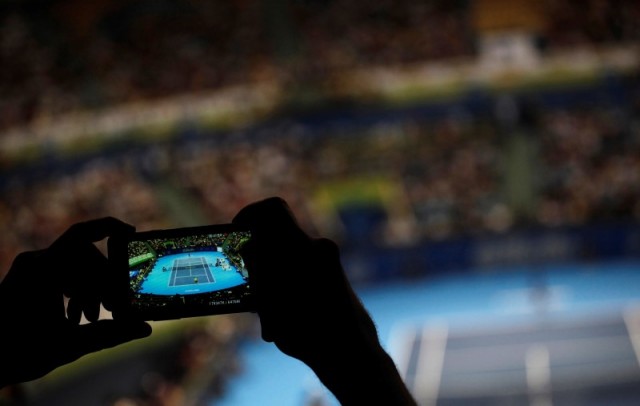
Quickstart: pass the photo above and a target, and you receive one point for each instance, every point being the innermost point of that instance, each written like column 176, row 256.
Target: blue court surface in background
column 490, row 300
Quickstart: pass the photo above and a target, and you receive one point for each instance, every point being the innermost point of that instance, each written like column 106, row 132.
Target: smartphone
column 180, row 273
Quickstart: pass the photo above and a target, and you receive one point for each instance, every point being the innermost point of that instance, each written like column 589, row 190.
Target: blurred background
column 477, row 161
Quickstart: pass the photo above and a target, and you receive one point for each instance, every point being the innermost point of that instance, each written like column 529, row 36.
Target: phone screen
column 186, row 272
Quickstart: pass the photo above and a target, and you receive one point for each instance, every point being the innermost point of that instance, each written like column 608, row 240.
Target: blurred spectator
column 66, row 56
column 591, row 23
column 132, row 51
column 593, row 167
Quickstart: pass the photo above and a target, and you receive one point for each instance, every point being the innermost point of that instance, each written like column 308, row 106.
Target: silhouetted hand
column 37, row 336
column 309, row 310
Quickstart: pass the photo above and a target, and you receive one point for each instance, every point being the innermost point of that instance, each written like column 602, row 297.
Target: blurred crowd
column 35, row 214
column 434, row 178
column 592, row 159
column 446, row 176
column 54, row 63
column 197, row 368
column 67, row 55
column 575, row 23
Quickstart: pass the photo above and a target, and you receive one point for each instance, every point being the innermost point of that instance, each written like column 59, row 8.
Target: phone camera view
column 188, row 275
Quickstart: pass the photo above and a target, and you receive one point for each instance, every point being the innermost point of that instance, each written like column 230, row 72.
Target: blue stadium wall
column 526, row 248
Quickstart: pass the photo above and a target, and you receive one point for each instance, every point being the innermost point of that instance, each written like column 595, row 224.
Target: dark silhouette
column 309, row 310
column 305, row 304
column 37, row 337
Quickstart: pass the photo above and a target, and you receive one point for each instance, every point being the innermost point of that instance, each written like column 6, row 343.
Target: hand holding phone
column 182, row 272
column 308, row 308
column 38, row 333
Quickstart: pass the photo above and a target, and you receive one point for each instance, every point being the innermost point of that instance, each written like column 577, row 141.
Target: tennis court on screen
column 187, row 271
column 192, row 273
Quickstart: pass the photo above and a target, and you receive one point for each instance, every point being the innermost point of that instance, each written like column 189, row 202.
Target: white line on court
column 631, row 317
column 172, row 277
column 400, row 336
column 434, row 344
column 538, row 375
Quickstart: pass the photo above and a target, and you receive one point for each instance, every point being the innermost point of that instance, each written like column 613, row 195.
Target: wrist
column 365, row 374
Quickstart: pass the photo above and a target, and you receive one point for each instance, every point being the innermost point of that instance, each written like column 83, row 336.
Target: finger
column 86, row 271
column 91, row 308
column 273, row 226
column 79, row 235
column 109, row 333
column 270, row 219
column 78, row 305
column 74, row 310
column 84, row 282
column 263, row 293
column 88, row 338
column 95, row 230
column 82, row 305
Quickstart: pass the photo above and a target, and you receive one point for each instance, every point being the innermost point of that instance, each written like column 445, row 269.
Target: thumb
column 88, row 338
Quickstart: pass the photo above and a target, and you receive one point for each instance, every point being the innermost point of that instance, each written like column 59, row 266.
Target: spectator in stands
column 336, row 339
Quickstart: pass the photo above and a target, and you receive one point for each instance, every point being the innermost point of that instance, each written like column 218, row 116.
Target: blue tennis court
column 188, row 273
column 552, row 335
column 543, row 363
